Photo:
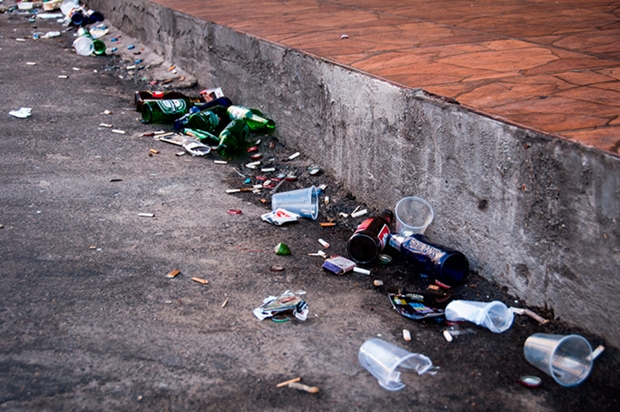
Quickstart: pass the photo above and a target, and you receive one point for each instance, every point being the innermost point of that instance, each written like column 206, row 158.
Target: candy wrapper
column 279, row 217
column 418, row 306
column 286, row 302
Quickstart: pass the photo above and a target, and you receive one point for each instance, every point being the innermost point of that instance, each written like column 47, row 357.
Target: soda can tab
column 280, row 216
column 338, row 265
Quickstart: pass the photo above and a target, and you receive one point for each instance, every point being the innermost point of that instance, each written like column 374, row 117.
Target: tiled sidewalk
column 552, row 66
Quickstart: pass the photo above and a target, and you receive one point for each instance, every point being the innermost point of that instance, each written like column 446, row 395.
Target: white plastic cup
column 84, row 46
column 68, row 5
column 304, row 202
column 495, row 316
column 566, row 358
column 382, row 359
column 413, row 215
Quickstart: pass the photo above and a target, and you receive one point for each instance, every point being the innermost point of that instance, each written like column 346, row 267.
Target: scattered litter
column 287, row 302
column 338, row 265
column 199, row 280
column 279, row 217
column 344, row 36
column 63, row 76
column 313, row 170
column 171, row 68
column 268, row 169
column 20, row 39
column 153, row 151
column 301, row 387
column 384, row 259
column 406, row 335
column 235, row 212
column 146, row 214
column 225, row 303
column 282, row 249
column 116, row 180
column 447, row 335
column 294, row 155
column 359, row 213
column 343, row 215
column 22, row 113
column 276, row 268
column 131, row 47
column 31, row 63
column 76, row 69
column 286, row 383
column 595, row 353
column 324, row 243
column 107, row 112
column 319, row 253
column 50, row 34
column 173, row 273
column 378, row 283
column 327, row 224
column 117, row 131
column 220, row 162
column 105, row 125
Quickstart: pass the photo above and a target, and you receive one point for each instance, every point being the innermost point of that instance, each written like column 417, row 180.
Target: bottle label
column 384, row 235
column 364, row 225
column 420, row 248
column 238, row 112
column 173, row 106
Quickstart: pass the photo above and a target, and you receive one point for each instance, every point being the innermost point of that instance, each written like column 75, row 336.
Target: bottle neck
column 396, row 240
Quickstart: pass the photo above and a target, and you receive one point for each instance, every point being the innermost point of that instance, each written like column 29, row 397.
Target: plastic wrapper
column 288, row 302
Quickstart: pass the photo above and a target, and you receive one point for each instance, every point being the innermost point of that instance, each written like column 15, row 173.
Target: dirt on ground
column 93, row 218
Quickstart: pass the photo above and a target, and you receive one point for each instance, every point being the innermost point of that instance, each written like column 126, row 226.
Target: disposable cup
column 413, row 215
column 382, row 359
column 84, row 46
column 566, row 358
column 495, row 316
column 304, row 202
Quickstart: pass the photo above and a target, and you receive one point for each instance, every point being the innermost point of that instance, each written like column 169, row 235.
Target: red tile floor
column 551, row 66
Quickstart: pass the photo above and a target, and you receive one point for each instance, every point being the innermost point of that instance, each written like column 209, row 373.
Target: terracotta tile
column 584, row 77
column 606, row 138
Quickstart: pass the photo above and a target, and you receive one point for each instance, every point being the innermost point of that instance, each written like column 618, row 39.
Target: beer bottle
column 202, row 136
column 370, row 237
column 254, row 118
column 86, row 44
column 140, row 96
column 207, row 120
column 164, row 111
column 233, row 136
column 447, row 266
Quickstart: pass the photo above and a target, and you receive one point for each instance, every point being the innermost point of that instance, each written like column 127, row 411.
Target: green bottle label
column 173, row 106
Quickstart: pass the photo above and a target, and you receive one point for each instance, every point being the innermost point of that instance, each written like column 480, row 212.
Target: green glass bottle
column 254, row 118
column 202, row 136
column 164, row 111
column 233, row 136
column 99, row 46
column 206, row 120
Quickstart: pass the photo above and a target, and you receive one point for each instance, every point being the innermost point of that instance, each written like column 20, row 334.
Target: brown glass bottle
column 370, row 238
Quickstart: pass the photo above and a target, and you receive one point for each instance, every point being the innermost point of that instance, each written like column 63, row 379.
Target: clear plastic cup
column 413, row 215
column 84, row 46
column 304, row 202
column 495, row 316
column 382, row 359
column 566, row 358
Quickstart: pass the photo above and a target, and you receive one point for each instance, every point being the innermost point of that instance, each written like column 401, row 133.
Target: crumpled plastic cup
column 566, row 358
column 495, row 316
column 382, row 359
column 304, row 202
column 413, row 215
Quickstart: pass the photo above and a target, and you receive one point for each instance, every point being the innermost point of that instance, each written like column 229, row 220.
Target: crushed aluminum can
column 196, row 148
column 280, row 216
column 278, row 305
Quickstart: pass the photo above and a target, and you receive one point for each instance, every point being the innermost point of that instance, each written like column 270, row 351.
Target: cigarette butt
column 286, row 383
column 173, row 274
column 535, row 316
column 302, row 387
column 361, row 270
column 199, row 280
column 225, row 302
column 294, row 155
column 220, row 162
column 93, row 247
column 597, row 352
column 105, row 125
column 154, row 151
column 406, row 334
column 268, row 169
column 233, row 191
column 327, row 224
column 146, row 214
column 433, row 287
column 119, row 132
column 171, row 68
column 447, row 335
column 62, row 76
column 31, row 63
column 324, row 243
column 378, row 283
column 359, row 213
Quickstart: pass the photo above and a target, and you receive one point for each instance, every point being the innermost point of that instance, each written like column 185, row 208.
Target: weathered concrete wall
column 534, row 213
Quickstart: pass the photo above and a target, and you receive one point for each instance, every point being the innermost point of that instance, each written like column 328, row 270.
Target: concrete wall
column 534, row 213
